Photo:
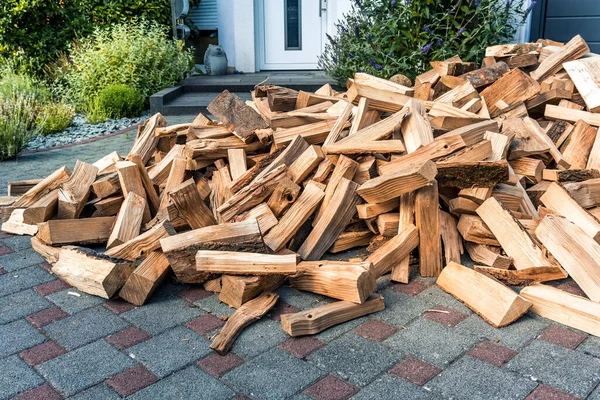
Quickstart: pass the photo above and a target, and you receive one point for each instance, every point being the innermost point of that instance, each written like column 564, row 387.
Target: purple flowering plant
column 388, row 37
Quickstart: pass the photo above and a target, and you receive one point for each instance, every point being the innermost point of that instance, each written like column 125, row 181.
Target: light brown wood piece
column 367, row 210
column 585, row 74
column 415, row 128
column 18, row 188
column 515, row 240
column 495, row 303
column 239, row 118
column 387, row 224
column 237, row 162
column 473, row 229
column 313, row 321
column 181, row 249
column 190, row 205
column 451, row 239
column 488, row 255
column 50, row 253
column 341, row 123
column 263, row 215
column 578, row 253
column 151, row 195
column 131, row 182
column 59, row 232
column 253, row 194
column 214, row 285
column 73, row 193
column 586, row 193
column 145, row 143
column 295, row 217
column 314, row 133
column 487, row 75
column 476, row 194
column 558, row 199
column 129, row 221
column 305, row 164
column 350, row 239
column 427, row 221
column 345, row 168
column 574, row 49
column 594, row 157
column 42, row 210
column 530, row 168
column 293, row 150
column 106, row 164
column 512, row 87
column 565, row 308
column 393, row 251
column 394, row 184
column 525, row 142
column 461, row 205
column 107, row 185
column 578, row 149
column 508, row 50
column 523, row 277
column 566, row 114
column 336, row 216
column 90, row 272
column 478, row 152
column 284, row 195
column 15, row 224
column 45, row 186
column 143, row 244
column 401, row 271
column 241, row 263
column 323, row 170
column 349, row 281
column 382, row 92
column 570, row 175
column 244, row 316
column 159, row 172
column 176, row 178
column 459, row 96
column 145, row 279
column 237, row 290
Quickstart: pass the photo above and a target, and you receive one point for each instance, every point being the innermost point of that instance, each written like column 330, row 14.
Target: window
column 293, row 24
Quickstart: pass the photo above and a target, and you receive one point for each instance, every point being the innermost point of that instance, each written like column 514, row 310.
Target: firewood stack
column 500, row 160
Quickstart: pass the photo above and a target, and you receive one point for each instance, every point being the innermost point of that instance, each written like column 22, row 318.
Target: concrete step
column 194, row 103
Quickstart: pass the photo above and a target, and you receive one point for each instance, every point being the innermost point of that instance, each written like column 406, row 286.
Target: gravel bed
column 80, row 129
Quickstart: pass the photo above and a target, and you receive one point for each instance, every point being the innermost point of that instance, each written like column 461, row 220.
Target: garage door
column 562, row 19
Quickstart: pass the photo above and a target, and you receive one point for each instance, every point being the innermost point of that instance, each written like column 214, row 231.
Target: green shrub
column 136, row 54
column 12, row 82
column 387, row 37
column 119, row 101
column 54, row 117
column 17, row 124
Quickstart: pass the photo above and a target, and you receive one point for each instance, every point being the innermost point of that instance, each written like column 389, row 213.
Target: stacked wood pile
column 501, row 160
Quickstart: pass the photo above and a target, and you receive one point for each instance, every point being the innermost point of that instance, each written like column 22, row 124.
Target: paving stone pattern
column 55, row 345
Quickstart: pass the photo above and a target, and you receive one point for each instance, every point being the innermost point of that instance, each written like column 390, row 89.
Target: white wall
column 236, row 32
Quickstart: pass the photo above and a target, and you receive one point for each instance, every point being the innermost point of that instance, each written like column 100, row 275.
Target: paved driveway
column 56, row 342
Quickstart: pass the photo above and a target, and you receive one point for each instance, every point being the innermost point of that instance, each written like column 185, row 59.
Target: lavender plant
column 387, row 37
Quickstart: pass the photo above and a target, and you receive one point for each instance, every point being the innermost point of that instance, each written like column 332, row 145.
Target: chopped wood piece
column 214, row 285
column 382, row 93
column 337, row 215
column 176, row 177
column 468, row 174
column 427, row 221
column 565, row 308
column 577, row 252
column 146, row 141
column 585, row 74
column 542, row 137
column 106, row 186
column 349, row 281
column 253, row 194
column 406, row 219
column 415, row 128
column 131, row 182
column 143, row 244
column 314, row 133
column 473, row 229
column 523, row 277
column 366, row 211
column 351, row 239
column 190, row 205
column 239, row 263
column 244, row 316
column 305, row 164
column 313, row 321
column 90, row 272
column 487, row 75
column 18, row 188
column 15, row 224
column 73, row 193
column 182, row 248
column 237, row 290
column 129, row 221
column 488, row 255
column 237, row 162
column 45, row 186
column 284, row 195
column 239, row 118
column 387, row 224
column 151, row 195
column 282, row 99
column 586, row 193
column 453, row 246
column 495, row 303
column 295, row 217
column 145, row 279
column 50, row 253
column 60, row 232
column 263, row 214
column 574, row 49
column 570, row 115
column 577, row 150
column 571, row 175
column 558, row 199
column 460, row 205
column 393, row 251
column 515, row 240
column 342, row 122
column 512, row 87
column 42, row 210
column 394, row 184
column 476, row 194
column 345, row 168
column 528, row 167
column 508, row 50
column 106, row 164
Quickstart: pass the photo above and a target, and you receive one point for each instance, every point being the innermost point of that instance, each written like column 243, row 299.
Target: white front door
column 290, row 33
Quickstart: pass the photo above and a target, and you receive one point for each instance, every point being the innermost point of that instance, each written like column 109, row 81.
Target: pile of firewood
column 501, row 160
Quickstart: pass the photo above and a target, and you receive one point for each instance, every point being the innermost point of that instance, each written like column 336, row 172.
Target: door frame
column 259, row 40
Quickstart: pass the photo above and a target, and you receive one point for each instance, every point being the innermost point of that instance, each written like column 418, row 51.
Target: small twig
column 438, row 311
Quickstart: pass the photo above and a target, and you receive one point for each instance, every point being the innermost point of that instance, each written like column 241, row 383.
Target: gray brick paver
column 21, row 304
column 16, row 377
column 17, row 336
